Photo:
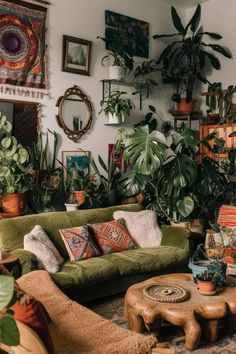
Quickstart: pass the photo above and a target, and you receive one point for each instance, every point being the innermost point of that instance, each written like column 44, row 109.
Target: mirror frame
column 74, row 135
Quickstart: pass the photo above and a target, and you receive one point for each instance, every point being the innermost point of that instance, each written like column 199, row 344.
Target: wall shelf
column 140, row 88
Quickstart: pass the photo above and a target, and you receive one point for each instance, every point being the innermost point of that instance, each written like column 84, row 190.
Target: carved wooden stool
column 195, row 313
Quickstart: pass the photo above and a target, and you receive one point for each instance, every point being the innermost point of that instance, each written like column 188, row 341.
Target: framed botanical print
column 76, row 55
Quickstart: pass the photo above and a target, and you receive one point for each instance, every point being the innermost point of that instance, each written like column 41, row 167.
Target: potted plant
column 108, row 182
column 120, row 53
column 15, row 179
column 143, row 75
column 206, row 283
column 184, row 60
column 116, row 107
column 163, row 165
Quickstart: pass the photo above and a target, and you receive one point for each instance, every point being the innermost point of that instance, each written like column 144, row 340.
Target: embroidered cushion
column 38, row 242
column 112, row 236
column 79, row 243
column 142, row 226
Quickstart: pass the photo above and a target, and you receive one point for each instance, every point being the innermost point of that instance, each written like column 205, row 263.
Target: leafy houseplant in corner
column 15, row 178
column 116, row 107
column 185, row 59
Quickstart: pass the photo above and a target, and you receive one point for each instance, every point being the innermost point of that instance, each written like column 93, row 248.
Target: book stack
column 227, row 216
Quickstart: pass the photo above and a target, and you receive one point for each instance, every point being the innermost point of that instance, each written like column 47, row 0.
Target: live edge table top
column 198, row 315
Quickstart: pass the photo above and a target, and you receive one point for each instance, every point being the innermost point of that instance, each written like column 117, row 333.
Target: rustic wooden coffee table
column 198, row 315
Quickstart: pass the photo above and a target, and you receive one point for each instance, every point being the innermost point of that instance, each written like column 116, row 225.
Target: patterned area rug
column 113, row 309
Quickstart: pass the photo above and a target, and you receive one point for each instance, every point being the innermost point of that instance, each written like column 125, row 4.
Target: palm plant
column 184, row 60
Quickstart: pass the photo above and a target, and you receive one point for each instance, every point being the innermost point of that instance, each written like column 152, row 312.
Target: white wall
column 85, row 19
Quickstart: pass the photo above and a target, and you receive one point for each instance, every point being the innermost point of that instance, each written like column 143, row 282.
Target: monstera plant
column 164, row 166
column 15, row 178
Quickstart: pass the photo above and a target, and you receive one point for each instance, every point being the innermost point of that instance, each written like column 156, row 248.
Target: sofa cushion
column 79, row 243
column 142, row 226
column 145, row 260
column 86, row 272
column 38, row 242
column 112, row 236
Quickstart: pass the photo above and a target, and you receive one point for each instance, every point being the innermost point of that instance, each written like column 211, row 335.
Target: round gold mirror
column 74, row 113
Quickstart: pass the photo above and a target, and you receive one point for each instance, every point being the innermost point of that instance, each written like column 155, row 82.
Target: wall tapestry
column 22, row 47
column 136, row 32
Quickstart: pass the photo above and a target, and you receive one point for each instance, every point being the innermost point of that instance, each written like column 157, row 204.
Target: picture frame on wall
column 76, row 55
column 76, row 159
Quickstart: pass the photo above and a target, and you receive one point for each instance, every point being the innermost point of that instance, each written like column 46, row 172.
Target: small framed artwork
column 76, row 55
column 76, row 159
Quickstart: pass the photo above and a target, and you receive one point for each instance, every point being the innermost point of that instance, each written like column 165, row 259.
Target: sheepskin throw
column 142, row 226
column 38, row 242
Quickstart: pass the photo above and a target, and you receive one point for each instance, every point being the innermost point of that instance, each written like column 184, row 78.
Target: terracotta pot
column 207, row 286
column 14, row 203
column 186, row 107
column 134, row 199
column 79, row 196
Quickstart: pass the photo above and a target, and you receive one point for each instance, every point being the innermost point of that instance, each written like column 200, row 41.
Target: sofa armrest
column 28, row 261
column 175, row 236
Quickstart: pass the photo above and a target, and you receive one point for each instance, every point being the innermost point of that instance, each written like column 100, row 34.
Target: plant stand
column 185, row 116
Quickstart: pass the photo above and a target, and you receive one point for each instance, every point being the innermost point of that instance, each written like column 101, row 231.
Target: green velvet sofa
column 100, row 276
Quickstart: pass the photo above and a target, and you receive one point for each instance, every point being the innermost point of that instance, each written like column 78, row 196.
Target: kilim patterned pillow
column 112, row 237
column 79, row 243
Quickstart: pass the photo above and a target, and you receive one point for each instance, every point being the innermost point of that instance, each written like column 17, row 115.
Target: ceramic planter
column 115, row 72
column 112, row 119
column 71, row 207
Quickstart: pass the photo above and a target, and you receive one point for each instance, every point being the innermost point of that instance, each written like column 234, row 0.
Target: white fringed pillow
column 142, row 226
column 38, row 242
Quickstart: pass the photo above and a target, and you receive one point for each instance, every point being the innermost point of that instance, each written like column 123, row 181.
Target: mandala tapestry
column 22, row 44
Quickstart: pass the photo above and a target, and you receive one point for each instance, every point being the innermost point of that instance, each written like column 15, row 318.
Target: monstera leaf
column 146, row 152
column 185, row 206
column 131, row 183
column 179, row 172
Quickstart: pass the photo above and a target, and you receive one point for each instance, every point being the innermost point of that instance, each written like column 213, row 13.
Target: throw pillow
column 79, row 243
column 28, row 311
column 112, row 236
column 38, row 242
column 142, row 226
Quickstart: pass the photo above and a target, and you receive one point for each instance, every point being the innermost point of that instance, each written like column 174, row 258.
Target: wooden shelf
column 224, row 131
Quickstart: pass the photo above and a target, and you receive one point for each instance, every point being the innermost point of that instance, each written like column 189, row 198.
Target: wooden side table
column 11, row 263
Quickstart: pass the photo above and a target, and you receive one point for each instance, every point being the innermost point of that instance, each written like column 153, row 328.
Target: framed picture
column 76, row 159
column 76, row 55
